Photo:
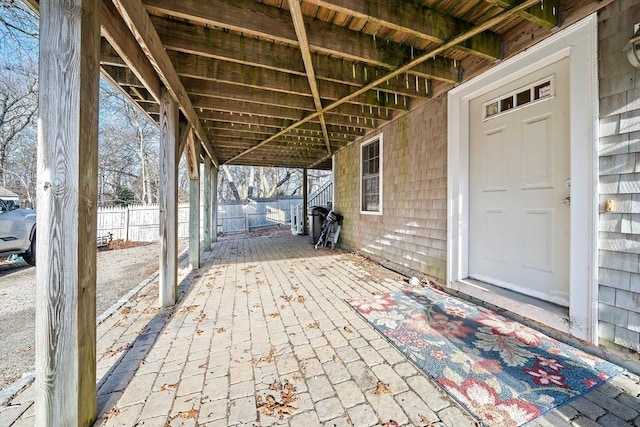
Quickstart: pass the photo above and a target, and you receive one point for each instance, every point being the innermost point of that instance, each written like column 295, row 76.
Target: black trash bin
column 316, row 216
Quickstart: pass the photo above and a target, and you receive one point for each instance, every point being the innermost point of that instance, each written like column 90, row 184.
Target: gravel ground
column 118, row 272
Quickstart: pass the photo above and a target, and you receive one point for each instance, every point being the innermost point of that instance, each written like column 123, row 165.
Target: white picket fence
column 141, row 222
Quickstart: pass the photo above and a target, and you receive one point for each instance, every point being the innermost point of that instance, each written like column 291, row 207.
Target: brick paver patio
column 266, row 317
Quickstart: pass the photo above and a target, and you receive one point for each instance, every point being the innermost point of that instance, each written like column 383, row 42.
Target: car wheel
column 30, row 256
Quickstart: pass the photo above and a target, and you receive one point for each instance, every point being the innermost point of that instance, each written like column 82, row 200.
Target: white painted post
column 214, row 208
column 305, row 201
column 194, row 223
column 168, row 200
column 65, row 387
column 126, row 224
column 206, row 190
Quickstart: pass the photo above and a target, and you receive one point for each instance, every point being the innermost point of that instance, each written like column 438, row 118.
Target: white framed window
column 371, row 176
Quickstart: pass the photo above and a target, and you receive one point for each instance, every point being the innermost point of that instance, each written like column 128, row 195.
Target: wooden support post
column 305, row 200
column 168, row 200
column 65, row 387
column 207, row 230
column 214, row 208
column 194, row 215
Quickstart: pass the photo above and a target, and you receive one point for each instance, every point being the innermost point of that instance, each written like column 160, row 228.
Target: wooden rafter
column 298, row 23
column 139, row 23
column 252, row 18
column 545, row 13
column 336, row 78
column 455, row 41
column 241, row 49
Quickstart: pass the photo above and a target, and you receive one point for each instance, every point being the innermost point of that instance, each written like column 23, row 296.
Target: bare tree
column 18, row 107
column 128, row 151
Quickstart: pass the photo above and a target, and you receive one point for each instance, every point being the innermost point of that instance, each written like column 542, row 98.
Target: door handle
column 566, row 201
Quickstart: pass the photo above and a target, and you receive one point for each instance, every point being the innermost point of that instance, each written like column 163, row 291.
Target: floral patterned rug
column 502, row 372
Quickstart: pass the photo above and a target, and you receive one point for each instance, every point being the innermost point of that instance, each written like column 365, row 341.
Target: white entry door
column 519, row 185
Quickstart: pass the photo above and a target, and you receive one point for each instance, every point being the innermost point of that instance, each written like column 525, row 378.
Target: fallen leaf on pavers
column 187, row 309
column 336, row 358
column 297, row 377
column 203, row 366
column 295, row 287
column 112, row 352
column 166, row 387
column 300, row 299
column 188, row 414
column 287, row 392
column 112, row 413
column 152, row 310
column 256, row 305
column 287, row 298
column 266, row 359
column 272, row 407
column 125, row 310
column 382, row 388
column 425, row 422
column 283, row 306
column 239, row 287
column 274, row 315
column 220, row 330
column 204, row 399
column 209, row 285
column 201, row 293
column 199, row 332
column 314, row 325
column 391, row 423
column 348, row 330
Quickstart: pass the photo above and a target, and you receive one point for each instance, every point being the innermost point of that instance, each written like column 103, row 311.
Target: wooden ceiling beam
column 204, row 68
column 264, row 131
column 215, row 118
column 303, row 43
column 282, row 112
column 289, row 152
column 489, row 23
column 117, row 33
column 416, row 19
column 256, row 136
column 265, row 97
column 252, row 18
column 140, row 25
column 123, row 76
column 267, row 163
column 544, row 14
column 228, row 46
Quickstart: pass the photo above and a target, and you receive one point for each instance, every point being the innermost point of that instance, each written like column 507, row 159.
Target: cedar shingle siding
column 410, row 235
column 619, row 150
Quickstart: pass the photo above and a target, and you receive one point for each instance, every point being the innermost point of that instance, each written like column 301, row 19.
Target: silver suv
column 17, row 232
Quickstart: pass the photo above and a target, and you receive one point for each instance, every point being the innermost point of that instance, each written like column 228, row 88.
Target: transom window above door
column 371, row 176
column 538, row 91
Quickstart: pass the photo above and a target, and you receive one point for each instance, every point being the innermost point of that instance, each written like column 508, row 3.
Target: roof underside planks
column 265, row 84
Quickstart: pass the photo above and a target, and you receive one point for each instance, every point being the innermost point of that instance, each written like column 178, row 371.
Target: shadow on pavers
column 114, row 382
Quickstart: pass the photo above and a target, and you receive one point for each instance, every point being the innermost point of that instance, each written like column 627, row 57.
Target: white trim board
column 579, row 43
column 379, row 137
